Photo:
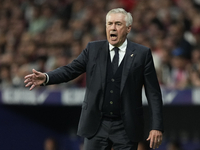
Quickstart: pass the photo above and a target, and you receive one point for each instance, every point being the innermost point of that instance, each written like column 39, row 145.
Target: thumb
column 148, row 138
column 35, row 72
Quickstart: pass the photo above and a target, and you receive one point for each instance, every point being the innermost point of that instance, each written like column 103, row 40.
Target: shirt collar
column 122, row 47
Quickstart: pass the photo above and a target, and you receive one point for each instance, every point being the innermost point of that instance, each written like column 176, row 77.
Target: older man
column 116, row 70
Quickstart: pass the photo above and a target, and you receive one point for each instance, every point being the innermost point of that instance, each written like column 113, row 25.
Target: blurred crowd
column 46, row 34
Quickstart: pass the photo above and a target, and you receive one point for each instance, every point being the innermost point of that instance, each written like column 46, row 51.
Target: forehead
column 113, row 17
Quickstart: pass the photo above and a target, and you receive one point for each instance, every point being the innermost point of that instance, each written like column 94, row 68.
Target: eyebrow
column 114, row 22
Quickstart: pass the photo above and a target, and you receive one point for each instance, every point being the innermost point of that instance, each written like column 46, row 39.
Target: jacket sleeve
column 153, row 93
column 70, row 71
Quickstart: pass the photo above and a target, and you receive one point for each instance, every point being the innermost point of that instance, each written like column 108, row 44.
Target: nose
column 113, row 27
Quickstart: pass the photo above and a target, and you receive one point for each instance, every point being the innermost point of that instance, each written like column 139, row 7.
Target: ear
column 128, row 29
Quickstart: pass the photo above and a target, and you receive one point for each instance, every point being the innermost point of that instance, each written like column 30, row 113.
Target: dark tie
column 115, row 61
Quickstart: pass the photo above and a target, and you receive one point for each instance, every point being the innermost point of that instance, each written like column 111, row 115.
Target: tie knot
column 116, row 49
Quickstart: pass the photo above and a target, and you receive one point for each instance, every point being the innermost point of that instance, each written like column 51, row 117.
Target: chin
column 114, row 43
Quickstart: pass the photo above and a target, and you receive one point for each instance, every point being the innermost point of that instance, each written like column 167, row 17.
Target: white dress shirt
column 122, row 51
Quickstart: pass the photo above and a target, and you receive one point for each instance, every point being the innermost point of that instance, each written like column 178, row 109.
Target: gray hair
column 128, row 18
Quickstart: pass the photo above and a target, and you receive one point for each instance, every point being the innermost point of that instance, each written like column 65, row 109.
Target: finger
column 32, row 86
column 159, row 141
column 154, row 144
column 30, row 83
column 148, row 138
column 28, row 76
column 35, row 72
column 151, row 143
column 158, row 144
column 27, row 80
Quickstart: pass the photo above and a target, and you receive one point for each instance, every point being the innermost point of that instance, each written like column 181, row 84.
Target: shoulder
column 95, row 47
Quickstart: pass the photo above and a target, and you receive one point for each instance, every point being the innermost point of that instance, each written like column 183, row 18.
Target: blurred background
column 46, row 34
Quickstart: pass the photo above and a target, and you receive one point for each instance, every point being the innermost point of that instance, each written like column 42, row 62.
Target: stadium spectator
column 37, row 32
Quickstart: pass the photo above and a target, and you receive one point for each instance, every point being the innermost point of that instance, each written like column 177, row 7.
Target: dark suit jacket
column 138, row 71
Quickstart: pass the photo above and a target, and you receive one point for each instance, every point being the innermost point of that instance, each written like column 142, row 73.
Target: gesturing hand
column 35, row 79
column 155, row 138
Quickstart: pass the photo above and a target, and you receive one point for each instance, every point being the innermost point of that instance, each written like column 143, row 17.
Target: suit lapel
column 128, row 59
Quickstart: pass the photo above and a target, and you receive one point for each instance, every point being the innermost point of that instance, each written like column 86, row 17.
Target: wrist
column 46, row 79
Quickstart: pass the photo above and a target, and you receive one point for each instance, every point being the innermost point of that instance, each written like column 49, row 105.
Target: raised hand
column 35, row 79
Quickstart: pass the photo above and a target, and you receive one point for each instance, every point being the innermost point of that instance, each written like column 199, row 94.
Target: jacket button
column 111, row 113
column 113, row 80
column 111, row 91
column 111, row 102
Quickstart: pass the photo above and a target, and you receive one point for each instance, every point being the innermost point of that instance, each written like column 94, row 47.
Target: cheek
column 107, row 34
column 122, row 34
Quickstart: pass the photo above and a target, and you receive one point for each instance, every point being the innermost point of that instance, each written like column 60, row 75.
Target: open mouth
column 113, row 36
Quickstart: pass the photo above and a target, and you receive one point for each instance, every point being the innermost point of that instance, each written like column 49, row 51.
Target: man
column 116, row 70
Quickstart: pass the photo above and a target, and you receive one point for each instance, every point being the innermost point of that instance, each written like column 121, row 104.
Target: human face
column 116, row 29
